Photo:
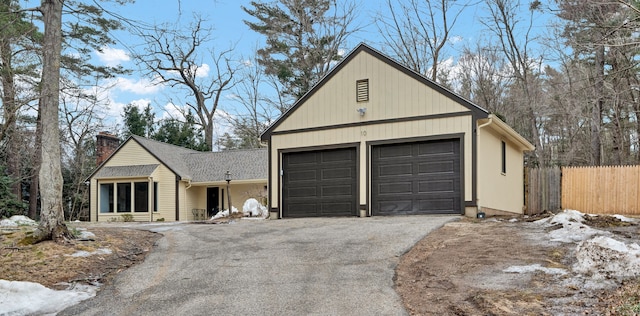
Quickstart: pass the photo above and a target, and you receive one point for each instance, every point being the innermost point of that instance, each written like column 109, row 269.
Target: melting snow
column 82, row 253
column 18, row 220
column 28, row 298
column 598, row 254
column 605, row 258
column 534, row 268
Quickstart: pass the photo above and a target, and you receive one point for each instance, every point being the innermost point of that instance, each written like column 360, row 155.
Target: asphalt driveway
column 315, row 266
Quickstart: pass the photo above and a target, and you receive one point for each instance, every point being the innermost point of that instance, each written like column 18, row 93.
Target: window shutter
column 362, row 90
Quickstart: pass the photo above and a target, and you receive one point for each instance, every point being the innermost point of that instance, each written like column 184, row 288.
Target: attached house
column 153, row 181
column 377, row 138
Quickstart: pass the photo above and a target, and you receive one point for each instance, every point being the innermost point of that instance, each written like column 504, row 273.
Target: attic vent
column 362, row 90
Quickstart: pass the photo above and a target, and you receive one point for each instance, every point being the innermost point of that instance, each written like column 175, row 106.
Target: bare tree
column 514, row 36
column 256, row 110
column 175, row 57
column 417, row 32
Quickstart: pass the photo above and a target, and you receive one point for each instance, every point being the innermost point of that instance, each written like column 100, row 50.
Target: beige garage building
column 375, row 136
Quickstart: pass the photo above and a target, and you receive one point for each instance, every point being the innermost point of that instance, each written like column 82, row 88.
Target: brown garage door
column 319, row 183
column 416, row 178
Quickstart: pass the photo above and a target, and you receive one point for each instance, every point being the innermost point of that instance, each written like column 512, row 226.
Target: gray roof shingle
column 248, row 164
column 126, row 171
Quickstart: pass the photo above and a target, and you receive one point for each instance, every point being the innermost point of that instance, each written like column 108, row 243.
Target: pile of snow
column 606, row 258
column 28, row 298
column 18, row 220
column 598, row 255
column 253, row 208
column 572, row 230
column 225, row 213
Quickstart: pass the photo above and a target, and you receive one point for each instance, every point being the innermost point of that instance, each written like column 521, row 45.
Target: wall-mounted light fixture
column 362, row 111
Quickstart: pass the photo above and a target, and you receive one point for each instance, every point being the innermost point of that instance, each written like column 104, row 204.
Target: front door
column 213, row 201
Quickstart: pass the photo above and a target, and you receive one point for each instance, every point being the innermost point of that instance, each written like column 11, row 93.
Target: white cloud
column 456, row 39
column 112, row 56
column 141, row 86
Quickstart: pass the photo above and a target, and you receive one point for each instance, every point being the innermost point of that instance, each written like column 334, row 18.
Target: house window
column 123, row 192
column 362, row 90
column 504, row 157
column 141, row 196
column 106, row 198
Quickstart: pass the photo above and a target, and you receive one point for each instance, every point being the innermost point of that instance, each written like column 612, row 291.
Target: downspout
column 485, row 124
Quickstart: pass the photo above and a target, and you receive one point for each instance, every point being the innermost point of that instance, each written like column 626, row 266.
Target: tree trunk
column 596, row 111
column 10, row 108
column 37, row 156
column 52, row 224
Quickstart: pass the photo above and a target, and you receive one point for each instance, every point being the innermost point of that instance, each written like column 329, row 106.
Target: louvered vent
column 362, row 90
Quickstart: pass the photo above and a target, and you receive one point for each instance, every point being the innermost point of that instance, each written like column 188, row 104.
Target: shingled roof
column 249, row 164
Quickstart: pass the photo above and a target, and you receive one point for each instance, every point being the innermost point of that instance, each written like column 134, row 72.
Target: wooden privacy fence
column 596, row 190
column 542, row 190
column 602, row 190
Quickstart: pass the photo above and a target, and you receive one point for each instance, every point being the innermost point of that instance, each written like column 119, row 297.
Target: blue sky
column 226, row 17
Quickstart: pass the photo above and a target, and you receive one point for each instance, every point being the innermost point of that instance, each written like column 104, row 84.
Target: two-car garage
column 406, row 178
column 374, row 137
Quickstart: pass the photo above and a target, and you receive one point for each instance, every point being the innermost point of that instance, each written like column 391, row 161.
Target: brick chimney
column 106, row 144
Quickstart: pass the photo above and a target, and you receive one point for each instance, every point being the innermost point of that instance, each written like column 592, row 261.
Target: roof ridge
column 138, row 137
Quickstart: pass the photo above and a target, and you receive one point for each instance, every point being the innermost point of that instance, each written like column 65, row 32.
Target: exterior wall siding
column 133, row 154
column 372, row 133
column 392, row 95
column 492, row 182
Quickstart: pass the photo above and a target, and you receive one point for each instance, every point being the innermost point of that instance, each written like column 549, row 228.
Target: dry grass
column 50, row 264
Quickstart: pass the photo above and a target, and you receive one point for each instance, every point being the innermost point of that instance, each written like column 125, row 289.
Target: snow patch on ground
column 625, row 219
column 534, row 268
column 18, row 220
column 605, row 258
column 571, row 228
column 100, row 251
column 599, row 256
column 28, row 298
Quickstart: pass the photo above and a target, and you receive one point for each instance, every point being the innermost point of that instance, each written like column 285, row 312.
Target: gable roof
column 188, row 164
column 362, row 47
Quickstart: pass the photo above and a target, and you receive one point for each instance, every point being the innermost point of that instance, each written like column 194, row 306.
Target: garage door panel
column 395, row 207
column 335, row 191
column 438, row 204
column 395, row 151
column 395, row 170
column 436, row 167
column 394, row 188
column 337, row 173
column 337, row 156
column 303, row 176
column 319, row 183
column 302, row 192
column 436, row 148
column 427, row 182
column 438, row 186
column 303, row 158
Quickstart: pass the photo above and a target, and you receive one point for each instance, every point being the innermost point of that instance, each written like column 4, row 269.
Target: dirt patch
column 54, row 265
column 460, row 270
